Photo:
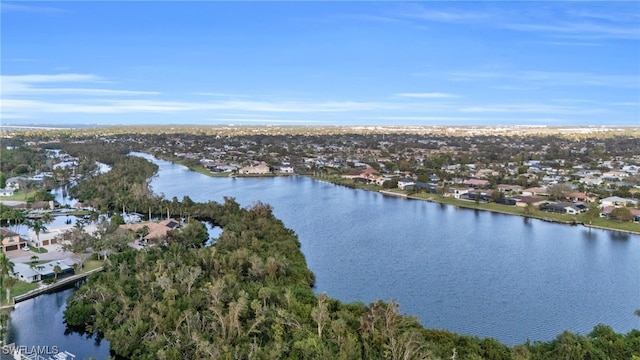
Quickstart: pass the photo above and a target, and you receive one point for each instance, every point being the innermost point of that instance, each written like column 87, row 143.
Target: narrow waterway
column 38, row 324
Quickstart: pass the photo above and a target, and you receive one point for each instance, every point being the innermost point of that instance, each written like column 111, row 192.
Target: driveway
column 54, row 253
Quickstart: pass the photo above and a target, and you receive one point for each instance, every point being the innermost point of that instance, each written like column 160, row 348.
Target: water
column 38, row 322
column 468, row 271
column 472, row 272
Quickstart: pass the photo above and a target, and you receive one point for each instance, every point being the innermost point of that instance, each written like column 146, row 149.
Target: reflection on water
column 619, row 236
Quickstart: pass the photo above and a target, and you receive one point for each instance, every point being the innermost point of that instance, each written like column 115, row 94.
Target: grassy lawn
column 610, row 224
column 89, row 265
column 536, row 214
column 19, row 195
column 19, row 288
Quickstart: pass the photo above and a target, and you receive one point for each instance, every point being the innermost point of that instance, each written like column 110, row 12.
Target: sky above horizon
column 320, row 63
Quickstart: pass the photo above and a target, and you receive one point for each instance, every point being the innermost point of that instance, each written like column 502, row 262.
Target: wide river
column 472, row 272
column 467, row 271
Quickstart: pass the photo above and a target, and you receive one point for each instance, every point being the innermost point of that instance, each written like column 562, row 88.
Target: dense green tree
column 621, row 214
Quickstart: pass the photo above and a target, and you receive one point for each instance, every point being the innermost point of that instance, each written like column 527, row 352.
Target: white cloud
column 25, row 85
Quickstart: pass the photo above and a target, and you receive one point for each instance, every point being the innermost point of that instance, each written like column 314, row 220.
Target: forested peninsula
column 250, row 295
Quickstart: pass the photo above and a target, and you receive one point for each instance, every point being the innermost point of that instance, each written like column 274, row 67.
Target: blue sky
column 320, row 63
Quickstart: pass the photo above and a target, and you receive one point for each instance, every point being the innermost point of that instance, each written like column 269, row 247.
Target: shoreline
column 436, row 198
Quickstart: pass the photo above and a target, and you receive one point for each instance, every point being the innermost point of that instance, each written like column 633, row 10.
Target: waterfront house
column 617, row 201
column 154, row 230
column 561, row 208
column 11, row 240
column 406, row 183
column 259, row 169
column 33, row 273
column 523, row 201
column 456, row 192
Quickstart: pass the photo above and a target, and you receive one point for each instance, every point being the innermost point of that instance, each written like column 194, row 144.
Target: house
column 582, row 197
column 42, row 205
column 259, row 169
column 631, row 169
column 476, row 183
column 381, row 179
column 456, row 192
column 523, row 201
column 606, row 211
column 484, row 173
column 616, row 201
column 14, row 182
column 614, row 175
column 428, row 187
column 535, row 191
column 11, row 240
column 476, row 195
column 6, row 192
column 561, row 208
column 29, row 273
column 406, row 183
column 510, row 188
column 591, row 181
column 286, row 169
column 155, row 230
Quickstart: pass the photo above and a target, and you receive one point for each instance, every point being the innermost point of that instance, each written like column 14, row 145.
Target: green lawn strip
column 614, row 225
column 536, row 214
column 19, row 288
column 40, row 250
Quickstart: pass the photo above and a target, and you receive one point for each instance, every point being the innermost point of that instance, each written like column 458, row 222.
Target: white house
column 616, row 201
column 404, row 183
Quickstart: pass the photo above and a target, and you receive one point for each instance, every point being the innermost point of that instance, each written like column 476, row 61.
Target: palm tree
column 9, row 282
column 6, row 268
column 37, row 227
column 56, row 271
column 47, row 218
